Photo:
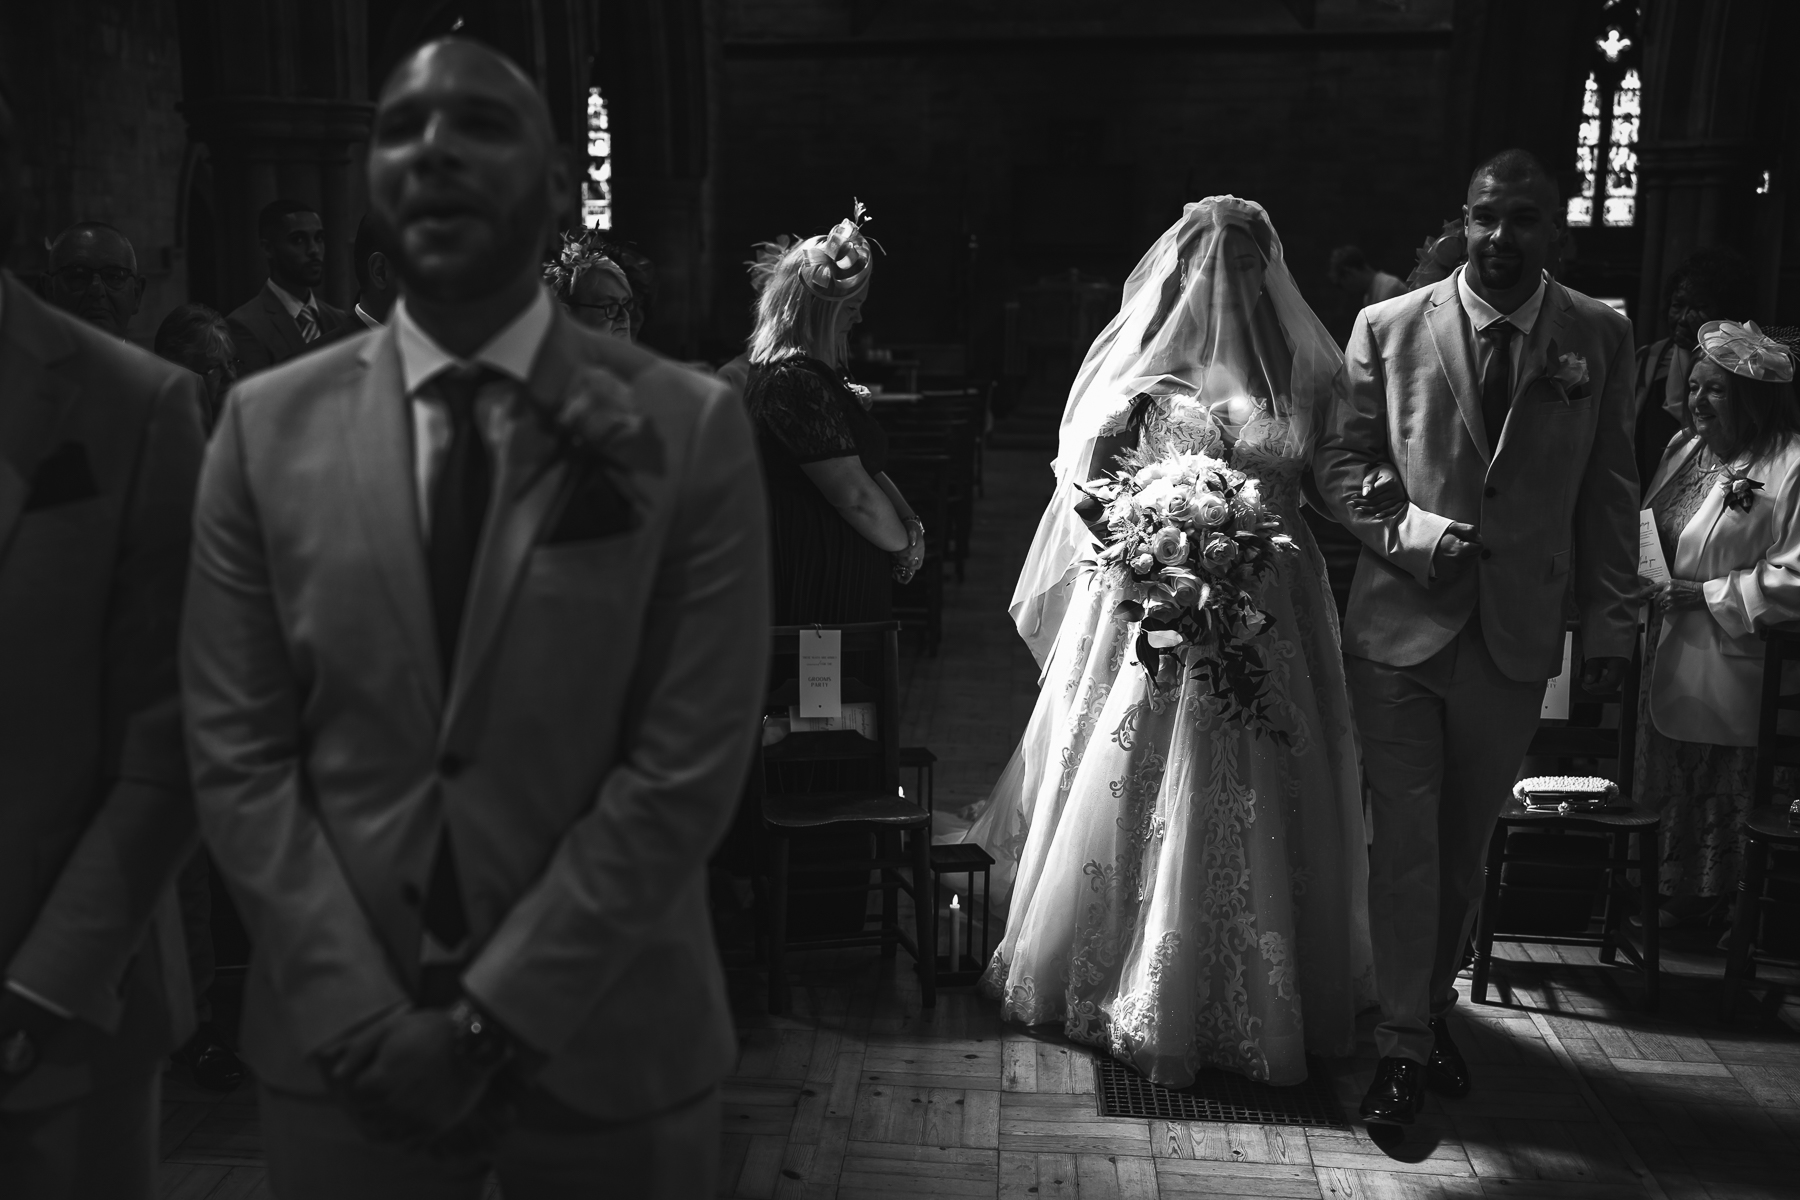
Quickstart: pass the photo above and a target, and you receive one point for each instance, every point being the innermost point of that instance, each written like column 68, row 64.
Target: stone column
column 278, row 92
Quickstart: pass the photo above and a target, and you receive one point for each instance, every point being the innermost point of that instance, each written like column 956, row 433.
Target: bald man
column 93, row 274
column 470, row 701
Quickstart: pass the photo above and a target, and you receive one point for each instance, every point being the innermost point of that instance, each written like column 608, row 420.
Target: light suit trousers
column 1442, row 742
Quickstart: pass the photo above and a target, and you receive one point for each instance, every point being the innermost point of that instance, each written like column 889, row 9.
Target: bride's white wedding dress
column 1185, row 892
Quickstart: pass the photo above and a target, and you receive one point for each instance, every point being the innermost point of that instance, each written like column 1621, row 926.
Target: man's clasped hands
column 408, row 1076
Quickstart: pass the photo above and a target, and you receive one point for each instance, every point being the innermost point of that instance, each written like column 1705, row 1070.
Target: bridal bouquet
column 1187, row 540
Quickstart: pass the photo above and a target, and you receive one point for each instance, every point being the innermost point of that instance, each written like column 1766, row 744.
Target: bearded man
column 474, row 652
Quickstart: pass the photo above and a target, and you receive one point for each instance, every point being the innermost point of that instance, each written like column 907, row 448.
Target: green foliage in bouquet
column 1188, row 541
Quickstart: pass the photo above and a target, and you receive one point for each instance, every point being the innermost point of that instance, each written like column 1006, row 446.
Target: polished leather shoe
column 1398, row 1093
column 214, row 1066
column 1446, row 1074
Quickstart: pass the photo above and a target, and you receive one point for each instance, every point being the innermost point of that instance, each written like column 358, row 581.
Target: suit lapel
column 526, row 487
column 378, row 443
column 285, row 326
column 1553, row 325
column 31, row 399
column 1456, row 355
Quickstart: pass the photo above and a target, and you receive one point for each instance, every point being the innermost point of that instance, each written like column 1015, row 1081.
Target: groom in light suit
column 1504, row 401
column 473, row 651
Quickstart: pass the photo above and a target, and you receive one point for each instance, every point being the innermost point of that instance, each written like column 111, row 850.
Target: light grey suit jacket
column 100, row 449
column 1555, row 502
column 586, row 756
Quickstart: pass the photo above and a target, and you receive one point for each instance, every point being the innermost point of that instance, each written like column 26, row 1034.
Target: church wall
column 94, row 88
column 1067, row 152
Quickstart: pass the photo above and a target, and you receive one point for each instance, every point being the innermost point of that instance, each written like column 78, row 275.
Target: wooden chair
column 872, row 805
column 1758, row 932
column 1532, row 855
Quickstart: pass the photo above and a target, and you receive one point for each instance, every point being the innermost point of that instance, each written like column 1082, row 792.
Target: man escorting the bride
column 1503, row 402
column 1187, row 886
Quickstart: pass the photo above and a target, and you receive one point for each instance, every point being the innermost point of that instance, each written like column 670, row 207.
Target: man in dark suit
column 100, row 449
column 287, row 315
column 473, row 655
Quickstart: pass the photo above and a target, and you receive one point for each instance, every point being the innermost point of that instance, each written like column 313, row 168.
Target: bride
column 1186, row 892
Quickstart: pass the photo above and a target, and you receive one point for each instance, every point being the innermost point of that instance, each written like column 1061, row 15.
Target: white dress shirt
column 511, row 352
column 1481, row 314
column 294, row 303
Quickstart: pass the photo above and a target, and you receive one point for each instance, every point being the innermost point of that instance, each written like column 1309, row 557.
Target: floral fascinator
column 836, row 266
column 1745, row 350
column 580, row 251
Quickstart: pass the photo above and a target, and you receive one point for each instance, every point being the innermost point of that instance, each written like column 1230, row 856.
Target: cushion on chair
column 813, row 810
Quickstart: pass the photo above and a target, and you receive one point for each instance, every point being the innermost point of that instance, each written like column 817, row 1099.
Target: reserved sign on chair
column 821, row 673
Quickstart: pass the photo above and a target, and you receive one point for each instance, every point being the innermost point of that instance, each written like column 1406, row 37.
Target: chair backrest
column 1567, row 740
column 1774, row 748
column 870, row 659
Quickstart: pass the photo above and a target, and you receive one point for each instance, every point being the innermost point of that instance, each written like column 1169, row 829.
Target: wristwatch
column 18, row 1054
column 479, row 1040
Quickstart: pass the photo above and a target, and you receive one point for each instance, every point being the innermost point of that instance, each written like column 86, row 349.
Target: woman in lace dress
column 1188, row 893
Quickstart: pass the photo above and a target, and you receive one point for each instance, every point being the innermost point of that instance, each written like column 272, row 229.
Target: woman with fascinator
column 1726, row 499
column 1187, row 891
column 841, row 532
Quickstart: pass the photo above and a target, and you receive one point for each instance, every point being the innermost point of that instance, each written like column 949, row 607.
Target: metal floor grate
column 1219, row 1096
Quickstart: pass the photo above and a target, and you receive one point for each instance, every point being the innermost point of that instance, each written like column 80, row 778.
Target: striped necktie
column 308, row 320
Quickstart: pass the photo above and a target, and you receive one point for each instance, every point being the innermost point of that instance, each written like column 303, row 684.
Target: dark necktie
column 459, row 502
column 308, row 320
column 1496, row 381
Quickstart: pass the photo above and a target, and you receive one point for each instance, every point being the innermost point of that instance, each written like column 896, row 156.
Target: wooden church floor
column 860, row 1093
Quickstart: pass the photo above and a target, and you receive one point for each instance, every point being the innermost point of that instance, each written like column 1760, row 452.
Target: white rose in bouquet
column 1210, row 508
column 1169, row 546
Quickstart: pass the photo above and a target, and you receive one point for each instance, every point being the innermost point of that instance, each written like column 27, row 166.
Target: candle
column 955, row 932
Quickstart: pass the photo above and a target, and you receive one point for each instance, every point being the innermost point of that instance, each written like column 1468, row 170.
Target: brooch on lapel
column 1567, row 371
column 597, row 421
column 1740, row 489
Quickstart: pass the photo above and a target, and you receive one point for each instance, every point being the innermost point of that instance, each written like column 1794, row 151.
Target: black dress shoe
column 1398, row 1093
column 214, row 1066
column 1446, row 1074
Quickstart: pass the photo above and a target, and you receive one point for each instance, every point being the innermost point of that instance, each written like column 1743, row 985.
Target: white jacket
column 1707, row 685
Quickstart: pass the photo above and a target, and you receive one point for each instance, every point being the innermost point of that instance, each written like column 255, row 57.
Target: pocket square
column 62, row 478
column 595, row 509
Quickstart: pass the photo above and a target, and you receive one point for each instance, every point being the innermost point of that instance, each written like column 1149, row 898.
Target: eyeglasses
column 80, row 277
column 612, row 310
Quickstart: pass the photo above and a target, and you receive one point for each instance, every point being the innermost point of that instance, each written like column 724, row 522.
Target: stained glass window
column 1606, row 137
column 596, row 184
column 1621, row 153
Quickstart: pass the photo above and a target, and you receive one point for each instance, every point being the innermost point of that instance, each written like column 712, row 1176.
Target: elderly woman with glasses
column 1726, row 502
column 603, row 283
column 841, row 530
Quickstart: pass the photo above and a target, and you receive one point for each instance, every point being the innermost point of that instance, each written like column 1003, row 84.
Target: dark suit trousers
column 100, row 1147
column 1442, row 742
column 314, row 1152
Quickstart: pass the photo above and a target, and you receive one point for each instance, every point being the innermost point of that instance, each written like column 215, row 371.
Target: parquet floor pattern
column 860, row 1093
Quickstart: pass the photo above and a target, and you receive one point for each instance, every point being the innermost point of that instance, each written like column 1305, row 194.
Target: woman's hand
column 1674, row 596
column 1383, row 496
column 908, row 561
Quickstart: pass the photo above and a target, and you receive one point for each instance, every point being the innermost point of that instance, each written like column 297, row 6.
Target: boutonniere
column 1740, row 489
column 1567, row 371
column 597, row 420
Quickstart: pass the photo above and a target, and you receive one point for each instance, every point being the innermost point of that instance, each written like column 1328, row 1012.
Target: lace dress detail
column 1702, row 791
column 1186, row 894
